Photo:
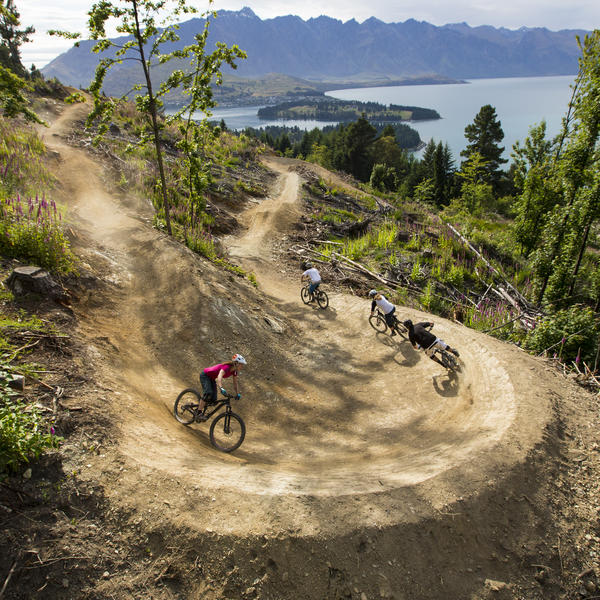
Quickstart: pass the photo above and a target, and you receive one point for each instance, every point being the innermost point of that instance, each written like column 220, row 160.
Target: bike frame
column 220, row 404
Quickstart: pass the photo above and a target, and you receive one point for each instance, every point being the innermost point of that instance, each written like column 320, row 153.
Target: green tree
column 575, row 177
column 484, row 135
column 352, row 150
column 12, row 83
column 11, row 37
column 532, row 173
column 438, row 168
column 476, row 192
column 148, row 25
column 383, row 178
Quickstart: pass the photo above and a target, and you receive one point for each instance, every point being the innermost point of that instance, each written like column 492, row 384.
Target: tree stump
column 27, row 280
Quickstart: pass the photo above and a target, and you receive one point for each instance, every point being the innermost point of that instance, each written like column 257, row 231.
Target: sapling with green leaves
column 148, row 26
column 575, row 176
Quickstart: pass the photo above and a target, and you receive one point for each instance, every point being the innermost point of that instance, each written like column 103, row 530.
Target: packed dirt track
column 354, row 440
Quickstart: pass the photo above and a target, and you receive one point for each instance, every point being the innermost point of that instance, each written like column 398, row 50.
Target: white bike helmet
column 238, row 358
column 372, row 293
column 308, row 265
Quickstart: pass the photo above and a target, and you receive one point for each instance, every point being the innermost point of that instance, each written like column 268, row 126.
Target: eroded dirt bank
column 366, row 470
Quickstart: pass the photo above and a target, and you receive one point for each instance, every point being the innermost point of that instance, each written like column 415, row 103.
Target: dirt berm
column 367, row 471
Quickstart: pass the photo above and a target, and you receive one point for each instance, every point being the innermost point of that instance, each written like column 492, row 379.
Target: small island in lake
column 345, row 111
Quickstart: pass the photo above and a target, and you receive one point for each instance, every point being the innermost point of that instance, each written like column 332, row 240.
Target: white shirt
column 384, row 304
column 313, row 274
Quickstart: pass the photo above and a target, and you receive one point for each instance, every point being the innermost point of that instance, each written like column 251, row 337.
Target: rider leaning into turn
column 311, row 274
column 211, row 377
column 386, row 307
column 420, row 337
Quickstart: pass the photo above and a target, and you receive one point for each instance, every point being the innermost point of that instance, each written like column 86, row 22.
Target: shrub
column 24, row 435
column 568, row 333
column 30, row 229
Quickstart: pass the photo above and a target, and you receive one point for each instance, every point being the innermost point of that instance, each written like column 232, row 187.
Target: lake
column 520, row 102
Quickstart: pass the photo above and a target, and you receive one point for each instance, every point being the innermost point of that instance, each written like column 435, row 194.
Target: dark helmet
column 408, row 323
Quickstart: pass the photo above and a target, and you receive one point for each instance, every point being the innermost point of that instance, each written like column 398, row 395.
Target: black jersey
column 419, row 335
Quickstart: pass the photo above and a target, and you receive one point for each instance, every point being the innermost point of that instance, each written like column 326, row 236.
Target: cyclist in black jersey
column 420, row 337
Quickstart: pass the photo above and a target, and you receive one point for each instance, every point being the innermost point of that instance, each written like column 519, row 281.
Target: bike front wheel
column 305, row 295
column 378, row 323
column 227, row 432
column 185, row 406
column 322, row 299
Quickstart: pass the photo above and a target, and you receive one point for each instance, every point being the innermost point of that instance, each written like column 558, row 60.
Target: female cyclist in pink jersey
column 211, row 377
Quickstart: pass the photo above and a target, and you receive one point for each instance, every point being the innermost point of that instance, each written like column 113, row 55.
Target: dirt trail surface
column 351, row 435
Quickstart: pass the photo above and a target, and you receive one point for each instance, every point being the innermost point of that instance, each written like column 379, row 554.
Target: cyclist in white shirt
column 313, row 275
column 386, row 307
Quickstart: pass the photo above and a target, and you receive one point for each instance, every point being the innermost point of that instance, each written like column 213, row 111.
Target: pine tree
column 484, row 135
column 11, row 37
column 13, row 102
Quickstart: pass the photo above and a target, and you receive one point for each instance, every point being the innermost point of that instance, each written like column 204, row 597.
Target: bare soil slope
column 366, row 471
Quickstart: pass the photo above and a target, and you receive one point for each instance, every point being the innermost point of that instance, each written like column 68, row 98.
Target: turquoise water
column 520, row 102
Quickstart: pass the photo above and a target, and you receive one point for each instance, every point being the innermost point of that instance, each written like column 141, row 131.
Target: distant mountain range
column 326, row 49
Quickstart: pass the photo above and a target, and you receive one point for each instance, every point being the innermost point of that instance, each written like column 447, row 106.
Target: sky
column 553, row 14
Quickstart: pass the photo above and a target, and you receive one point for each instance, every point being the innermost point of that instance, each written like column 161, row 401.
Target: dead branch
column 516, row 292
column 10, row 574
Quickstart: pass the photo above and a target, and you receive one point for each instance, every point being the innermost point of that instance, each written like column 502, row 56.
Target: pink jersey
column 213, row 372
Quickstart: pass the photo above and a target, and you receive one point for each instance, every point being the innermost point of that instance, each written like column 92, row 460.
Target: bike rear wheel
column 378, row 323
column 449, row 361
column 227, row 432
column 305, row 295
column 401, row 329
column 322, row 299
column 186, row 405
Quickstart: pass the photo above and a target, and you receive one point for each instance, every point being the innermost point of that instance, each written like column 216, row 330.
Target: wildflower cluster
column 30, row 229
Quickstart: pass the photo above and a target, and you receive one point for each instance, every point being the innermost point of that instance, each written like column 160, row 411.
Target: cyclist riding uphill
column 420, row 337
column 311, row 274
column 211, row 377
column 386, row 307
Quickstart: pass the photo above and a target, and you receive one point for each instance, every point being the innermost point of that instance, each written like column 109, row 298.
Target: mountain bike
column 319, row 295
column 448, row 359
column 227, row 431
column 378, row 323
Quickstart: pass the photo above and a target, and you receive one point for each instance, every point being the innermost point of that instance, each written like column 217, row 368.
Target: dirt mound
column 366, row 470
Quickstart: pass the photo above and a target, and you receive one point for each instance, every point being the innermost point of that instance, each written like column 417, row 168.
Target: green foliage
column 11, row 38
column 383, row 178
column 24, row 434
column 12, row 100
column 417, row 273
column 484, row 135
column 30, row 227
column 567, row 333
column 76, row 98
column 32, row 231
column 149, row 26
column 564, row 188
column 22, row 167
